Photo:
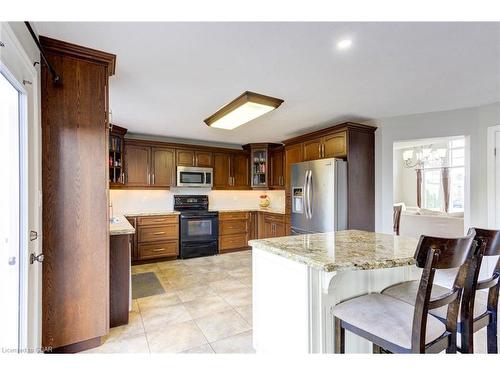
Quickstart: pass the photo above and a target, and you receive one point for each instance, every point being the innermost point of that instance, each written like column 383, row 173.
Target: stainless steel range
column 199, row 228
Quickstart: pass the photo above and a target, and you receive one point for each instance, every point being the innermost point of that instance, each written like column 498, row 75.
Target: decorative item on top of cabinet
column 260, row 173
column 231, row 170
column 116, row 155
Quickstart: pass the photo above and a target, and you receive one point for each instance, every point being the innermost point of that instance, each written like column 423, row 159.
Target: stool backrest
column 434, row 253
column 489, row 240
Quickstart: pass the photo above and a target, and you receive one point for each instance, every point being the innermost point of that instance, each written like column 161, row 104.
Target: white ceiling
column 171, row 76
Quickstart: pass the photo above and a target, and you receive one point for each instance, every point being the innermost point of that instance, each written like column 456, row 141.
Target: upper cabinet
column 330, row 146
column 149, row 166
column 277, row 170
column 261, row 165
column 194, row 158
column 231, row 171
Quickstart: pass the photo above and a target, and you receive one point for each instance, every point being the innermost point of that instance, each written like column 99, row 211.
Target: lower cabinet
column 271, row 225
column 155, row 237
column 234, row 229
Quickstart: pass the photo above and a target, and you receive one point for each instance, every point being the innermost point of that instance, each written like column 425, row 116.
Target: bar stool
column 474, row 314
column 398, row 327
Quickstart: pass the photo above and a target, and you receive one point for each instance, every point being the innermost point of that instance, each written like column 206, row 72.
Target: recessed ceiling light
column 344, row 44
column 244, row 108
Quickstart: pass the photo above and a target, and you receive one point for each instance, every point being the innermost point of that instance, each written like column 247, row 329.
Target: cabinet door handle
column 158, row 233
column 157, row 250
column 153, row 178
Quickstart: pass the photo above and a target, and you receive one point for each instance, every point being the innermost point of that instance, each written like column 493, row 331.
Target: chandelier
column 424, row 156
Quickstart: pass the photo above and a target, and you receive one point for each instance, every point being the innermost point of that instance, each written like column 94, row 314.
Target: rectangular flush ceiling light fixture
column 244, row 108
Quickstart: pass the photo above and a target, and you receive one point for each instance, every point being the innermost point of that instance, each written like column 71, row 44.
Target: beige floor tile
column 203, row 349
column 131, row 344
column 133, row 328
column 206, row 305
column 248, row 280
column 241, row 343
column 135, row 306
column 176, row 338
column 227, row 284
column 240, row 272
column 159, row 300
column 239, row 297
column 215, row 276
column 222, row 324
column 246, row 312
column 190, row 294
column 158, row 317
column 150, row 267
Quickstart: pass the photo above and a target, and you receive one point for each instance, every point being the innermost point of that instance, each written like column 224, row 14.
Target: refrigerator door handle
column 304, row 193
column 309, row 207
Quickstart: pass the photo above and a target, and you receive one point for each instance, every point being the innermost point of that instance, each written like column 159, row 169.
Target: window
column 432, row 180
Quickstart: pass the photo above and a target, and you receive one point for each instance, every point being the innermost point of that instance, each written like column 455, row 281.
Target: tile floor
column 207, row 308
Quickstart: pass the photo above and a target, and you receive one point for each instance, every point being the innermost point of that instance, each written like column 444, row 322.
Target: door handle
column 153, row 178
column 38, row 258
column 305, row 195
column 309, row 207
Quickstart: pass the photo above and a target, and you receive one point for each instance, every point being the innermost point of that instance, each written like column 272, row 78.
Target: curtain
column 419, row 187
column 445, row 180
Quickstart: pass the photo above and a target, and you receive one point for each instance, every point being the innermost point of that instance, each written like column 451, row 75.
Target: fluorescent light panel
column 246, row 107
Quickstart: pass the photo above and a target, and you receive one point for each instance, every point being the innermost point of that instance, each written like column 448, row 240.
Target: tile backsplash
column 128, row 201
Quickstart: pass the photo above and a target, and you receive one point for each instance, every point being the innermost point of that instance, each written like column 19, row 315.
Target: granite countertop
column 121, row 226
column 154, row 213
column 270, row 210
column 343, row 250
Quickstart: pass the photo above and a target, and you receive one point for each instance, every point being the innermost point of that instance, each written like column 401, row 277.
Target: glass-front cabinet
column 259, row 160
column 116, row 155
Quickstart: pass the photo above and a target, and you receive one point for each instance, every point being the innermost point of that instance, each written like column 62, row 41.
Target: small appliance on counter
column 199, row 228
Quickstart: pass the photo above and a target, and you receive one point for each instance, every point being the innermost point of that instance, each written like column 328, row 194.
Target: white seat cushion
column 386, row 317
column 407, row 292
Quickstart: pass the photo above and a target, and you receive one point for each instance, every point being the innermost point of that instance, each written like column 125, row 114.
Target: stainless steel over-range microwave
column 195, row 177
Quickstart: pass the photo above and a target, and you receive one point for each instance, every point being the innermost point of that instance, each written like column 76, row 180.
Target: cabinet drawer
column 233, row 241
column 233, row 227
column 158, row 250
column 274, row 218
column 158, row 233
column 158, row 220
column 233, row 215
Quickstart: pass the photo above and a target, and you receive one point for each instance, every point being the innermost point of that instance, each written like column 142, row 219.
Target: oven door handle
column 199, row 217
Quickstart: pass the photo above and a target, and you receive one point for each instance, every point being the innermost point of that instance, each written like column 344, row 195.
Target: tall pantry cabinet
column 75, row 302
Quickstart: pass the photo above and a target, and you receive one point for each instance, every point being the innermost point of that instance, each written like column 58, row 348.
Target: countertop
column 270, row 210
column 122, row 226
column 343, row 250
column 154, row 213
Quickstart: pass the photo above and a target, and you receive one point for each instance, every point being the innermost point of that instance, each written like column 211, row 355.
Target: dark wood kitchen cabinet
column 75, row 180
column 277, row 181
column 149, row 166
column 137, row 165
column 271, row 225
column 231, row 171
column 194, row 158
column 234, row 231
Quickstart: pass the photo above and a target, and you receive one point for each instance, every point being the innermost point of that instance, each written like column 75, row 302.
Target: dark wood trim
column 72, row 50
column 119, row 279
column 144, row 142
column 332, row 129
column 77, row 347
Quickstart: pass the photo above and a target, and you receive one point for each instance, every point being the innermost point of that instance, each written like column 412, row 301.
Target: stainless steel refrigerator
column 319, row 196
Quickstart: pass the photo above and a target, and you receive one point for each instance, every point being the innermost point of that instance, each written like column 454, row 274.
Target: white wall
column 133, row 201
column 471, row 122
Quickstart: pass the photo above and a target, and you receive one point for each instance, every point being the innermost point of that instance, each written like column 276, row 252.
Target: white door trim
column 490, row 173
column 15, row 60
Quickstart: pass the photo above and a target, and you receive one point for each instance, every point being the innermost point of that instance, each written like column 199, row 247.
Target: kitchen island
column 298, row 279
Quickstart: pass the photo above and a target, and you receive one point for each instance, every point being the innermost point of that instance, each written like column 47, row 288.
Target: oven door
column 199, row 228
column 194, row 177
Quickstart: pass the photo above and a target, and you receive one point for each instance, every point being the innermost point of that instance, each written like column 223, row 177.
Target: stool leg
column 339, row 337
column 492, row 335
column 467, row 337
